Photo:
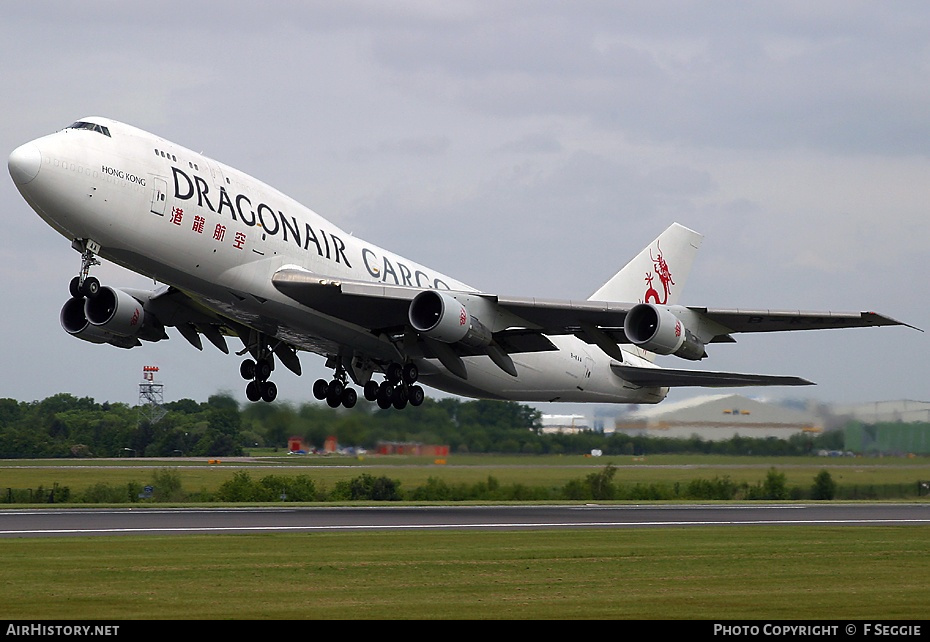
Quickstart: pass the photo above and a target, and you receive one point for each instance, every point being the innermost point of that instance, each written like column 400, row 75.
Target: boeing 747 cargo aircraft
column 240, row 259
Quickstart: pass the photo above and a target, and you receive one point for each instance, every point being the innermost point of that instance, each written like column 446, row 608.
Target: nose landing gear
column 84, row 285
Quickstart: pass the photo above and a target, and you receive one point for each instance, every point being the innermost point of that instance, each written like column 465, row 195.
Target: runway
column 188, row 521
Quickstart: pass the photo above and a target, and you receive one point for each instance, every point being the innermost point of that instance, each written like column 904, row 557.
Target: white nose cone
column 24, row 163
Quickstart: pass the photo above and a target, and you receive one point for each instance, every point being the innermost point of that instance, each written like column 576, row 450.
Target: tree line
column 64, row 425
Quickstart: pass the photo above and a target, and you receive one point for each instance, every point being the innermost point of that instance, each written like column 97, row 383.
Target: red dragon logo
column 665, row 276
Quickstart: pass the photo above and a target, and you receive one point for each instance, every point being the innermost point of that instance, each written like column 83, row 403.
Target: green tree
column 775, row 485
column 166, row 485
column 824, row 487
column 367, row 487
column 240, row 488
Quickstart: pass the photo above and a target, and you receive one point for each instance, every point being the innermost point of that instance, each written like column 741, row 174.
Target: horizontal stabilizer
column 672, row 378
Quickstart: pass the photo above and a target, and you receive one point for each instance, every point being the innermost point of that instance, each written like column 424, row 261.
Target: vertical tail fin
column 658, row 273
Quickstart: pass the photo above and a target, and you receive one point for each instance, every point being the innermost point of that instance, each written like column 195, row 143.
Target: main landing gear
column 257, row 371
column 396, row 390
column 398, row 387
column 259, row 387
column 336, row 392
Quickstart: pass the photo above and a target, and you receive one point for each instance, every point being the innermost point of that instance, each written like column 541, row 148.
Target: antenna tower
column 151, row 397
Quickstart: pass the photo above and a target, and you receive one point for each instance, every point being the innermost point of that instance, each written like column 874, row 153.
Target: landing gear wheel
column 371, row 390
column 269, row 391
column 75, row 287
column 384, row 398
column 90, row 287
column 394, row 372
column 253, row 391
column 320, row 389
column 335, row 389
column 262, row 369
column 399, row 397
column 416, row 395
column 247, row 369
column 410, row 373
column 349, row 397
column 385, row 389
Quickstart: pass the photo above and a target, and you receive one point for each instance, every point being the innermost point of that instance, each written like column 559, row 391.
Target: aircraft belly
column 542, row 377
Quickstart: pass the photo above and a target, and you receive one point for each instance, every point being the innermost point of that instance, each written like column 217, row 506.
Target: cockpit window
column 91, row 126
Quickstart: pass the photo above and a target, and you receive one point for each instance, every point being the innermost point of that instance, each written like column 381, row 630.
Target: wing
column 386, row 310
column 567, row 317
column 382, row 307
column 375, row 306
column 785, row 320
column 174, row 308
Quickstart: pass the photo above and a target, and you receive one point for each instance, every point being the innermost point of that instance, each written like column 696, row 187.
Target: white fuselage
column 219, row 235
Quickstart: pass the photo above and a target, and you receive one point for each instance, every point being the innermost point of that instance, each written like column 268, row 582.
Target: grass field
column 677, row 573
column 198, row 474
column 696, row 573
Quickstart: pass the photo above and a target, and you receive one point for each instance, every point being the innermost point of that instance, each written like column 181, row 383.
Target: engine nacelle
column 441, row 316
column 115, row 311
column 112, row 316
column 75, row 323
column 658, row 329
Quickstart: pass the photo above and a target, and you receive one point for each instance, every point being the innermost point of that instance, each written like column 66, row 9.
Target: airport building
column 717, row 418
column 565, row 424
column 902, row 411
column 894, row 439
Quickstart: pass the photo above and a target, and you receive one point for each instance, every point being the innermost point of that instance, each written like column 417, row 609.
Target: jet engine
column 111, row 316
column 440, row 316
column 75, row 323
column 115, row 311
column 659, row 329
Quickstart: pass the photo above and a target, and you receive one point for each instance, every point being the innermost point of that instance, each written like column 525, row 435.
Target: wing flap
column 674, row 378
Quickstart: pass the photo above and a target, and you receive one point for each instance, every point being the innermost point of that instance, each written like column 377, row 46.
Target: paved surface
column 155, row 521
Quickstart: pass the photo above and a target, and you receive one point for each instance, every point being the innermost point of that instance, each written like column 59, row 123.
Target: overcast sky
column 526, row 148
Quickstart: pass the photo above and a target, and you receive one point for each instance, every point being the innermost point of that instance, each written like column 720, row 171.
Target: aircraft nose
column 24, row 163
